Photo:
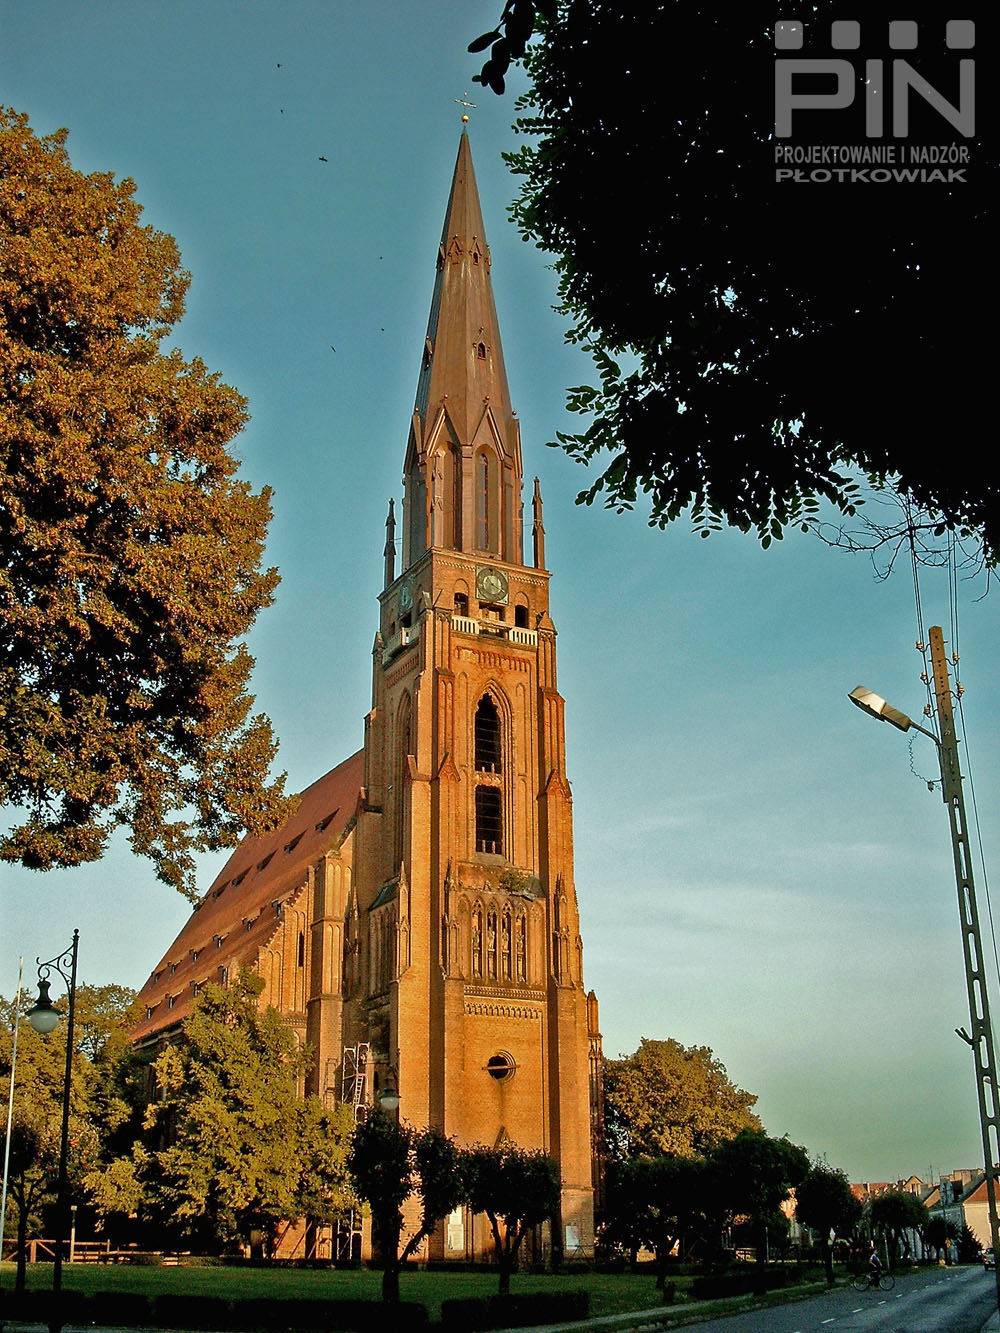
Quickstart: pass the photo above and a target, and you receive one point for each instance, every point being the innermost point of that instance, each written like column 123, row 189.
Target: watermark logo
column 863, row 99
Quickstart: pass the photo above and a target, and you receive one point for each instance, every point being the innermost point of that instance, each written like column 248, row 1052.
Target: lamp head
column 43, row 1015
column 388, row 1099
column 873, row 704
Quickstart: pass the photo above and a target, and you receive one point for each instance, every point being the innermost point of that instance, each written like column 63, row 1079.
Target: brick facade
column 419, row 908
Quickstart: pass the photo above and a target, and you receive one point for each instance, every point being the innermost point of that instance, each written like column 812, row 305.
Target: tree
column 824, row 1203
column 668, row 1099
column 388, row 1161
column 231, row 1150
column 755, row 1174
column 938, row 1233
column 671, row 1198
column 96, row 1110
column 129, row 551
column 756, row 343
column 894, row 1214
column 516, row 1188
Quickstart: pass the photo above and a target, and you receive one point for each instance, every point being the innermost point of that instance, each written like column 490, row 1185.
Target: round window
column 501, row 1065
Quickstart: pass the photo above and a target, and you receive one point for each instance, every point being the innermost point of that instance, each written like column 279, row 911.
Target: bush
column 195, row 1312
column 119, row 1307
column 41, row 1307
column 718, row 1286
column 480, row 1313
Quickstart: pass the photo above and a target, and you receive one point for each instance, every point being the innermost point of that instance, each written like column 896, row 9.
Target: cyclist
column 874, row 1267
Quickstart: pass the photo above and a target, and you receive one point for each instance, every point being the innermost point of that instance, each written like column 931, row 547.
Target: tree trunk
column 824, row 1244
column 22, row 1248
column 388, row 1241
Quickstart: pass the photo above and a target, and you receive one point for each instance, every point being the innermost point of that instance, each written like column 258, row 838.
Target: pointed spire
column 390, row 544
column 463, row 415
column 463, row 359
column 538, row 528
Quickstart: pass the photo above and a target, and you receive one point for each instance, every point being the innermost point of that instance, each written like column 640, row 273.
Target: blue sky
column 760, row 868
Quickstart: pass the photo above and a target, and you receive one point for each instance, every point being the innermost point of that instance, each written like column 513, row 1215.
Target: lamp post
column 43, row 1017
column 981, row 1039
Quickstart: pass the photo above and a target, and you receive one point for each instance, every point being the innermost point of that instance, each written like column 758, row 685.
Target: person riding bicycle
column 874, row 1267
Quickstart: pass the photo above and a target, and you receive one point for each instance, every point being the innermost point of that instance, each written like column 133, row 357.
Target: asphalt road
column 945, row 1300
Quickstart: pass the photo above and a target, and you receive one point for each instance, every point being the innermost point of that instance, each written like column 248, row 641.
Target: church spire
column 463, row 461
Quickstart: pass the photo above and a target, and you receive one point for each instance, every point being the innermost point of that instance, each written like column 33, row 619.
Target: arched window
column 521, row 617
column 461, row 604
column 505, row 947
column 489, row 820
column 521, row 949
column 487, row 737
column 491, row 944
column 477, row 942
column 400, row 793
column 483, row 502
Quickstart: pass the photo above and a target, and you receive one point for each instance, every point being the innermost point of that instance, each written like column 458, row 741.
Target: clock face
column 491, row 585
column 405, row 597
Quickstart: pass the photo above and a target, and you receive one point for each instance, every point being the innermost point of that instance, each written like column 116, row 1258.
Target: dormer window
column 481, row 352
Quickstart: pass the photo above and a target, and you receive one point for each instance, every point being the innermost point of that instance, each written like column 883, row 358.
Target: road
column 945, row 1300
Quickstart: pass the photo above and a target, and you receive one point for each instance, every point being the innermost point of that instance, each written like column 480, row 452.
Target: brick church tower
column 418, row 913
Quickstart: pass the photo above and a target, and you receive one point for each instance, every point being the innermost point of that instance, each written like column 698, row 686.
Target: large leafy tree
column 517, row 1188
column 894, row 1215
column 230, row 1148
column 756, row 343
column 389, row 1161
column 100, row 1070
column 670, row 1196
column 130, row 552
column 824, row 1203
column 674, row 1100
column 755, row 1174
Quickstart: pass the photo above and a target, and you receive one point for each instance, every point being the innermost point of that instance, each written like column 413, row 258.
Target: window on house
column 489, row 820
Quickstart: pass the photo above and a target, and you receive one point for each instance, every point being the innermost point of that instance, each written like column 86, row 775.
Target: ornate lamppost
column 43, row 1017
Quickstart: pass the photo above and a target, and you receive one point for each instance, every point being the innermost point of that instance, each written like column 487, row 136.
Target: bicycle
column 874, row 1282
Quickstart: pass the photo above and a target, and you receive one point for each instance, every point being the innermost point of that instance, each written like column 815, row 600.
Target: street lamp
column 43, row 1017
column 981, row 1039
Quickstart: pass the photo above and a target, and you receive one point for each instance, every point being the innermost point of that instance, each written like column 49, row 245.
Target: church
column 416, row 919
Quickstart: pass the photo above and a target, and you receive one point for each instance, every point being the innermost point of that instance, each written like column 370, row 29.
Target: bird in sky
column 324, row 159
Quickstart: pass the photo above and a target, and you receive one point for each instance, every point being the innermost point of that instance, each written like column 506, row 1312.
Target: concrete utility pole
column 981, row 1039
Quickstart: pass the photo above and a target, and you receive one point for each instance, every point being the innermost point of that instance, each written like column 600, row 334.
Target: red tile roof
column 237, row 915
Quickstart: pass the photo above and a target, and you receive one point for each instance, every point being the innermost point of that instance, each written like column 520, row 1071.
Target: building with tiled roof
column 416, row 919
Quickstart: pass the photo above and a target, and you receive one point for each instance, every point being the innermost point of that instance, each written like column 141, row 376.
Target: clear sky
column 760, row 868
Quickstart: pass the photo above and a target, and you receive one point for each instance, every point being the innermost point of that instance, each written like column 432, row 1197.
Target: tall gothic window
column 489, row 820
column 487, row 737
column 483, row 502
column 491, row 944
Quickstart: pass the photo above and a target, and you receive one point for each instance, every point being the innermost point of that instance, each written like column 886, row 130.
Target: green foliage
column 231, row 1149
column 754, row 1175
column 516, row 1188
column 101, row 1053
column 824, row 1203
column 388, row 1161
column 736, row 325
column 668, row 1099
column 658, row 1202
column 892, row 1215
column 969, row 1249
column 129, row 552
column 938, row 1231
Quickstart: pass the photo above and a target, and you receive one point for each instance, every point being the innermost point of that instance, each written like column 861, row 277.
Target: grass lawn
column 609, row 1293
